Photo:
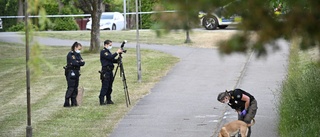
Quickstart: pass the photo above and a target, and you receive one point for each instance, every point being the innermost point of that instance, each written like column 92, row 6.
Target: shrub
column 65, row 24
column 20, row 27
column 17, row 27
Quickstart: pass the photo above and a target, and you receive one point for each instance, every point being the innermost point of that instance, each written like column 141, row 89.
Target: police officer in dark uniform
column 106, row 74
column 243, row 102
column 72, row 73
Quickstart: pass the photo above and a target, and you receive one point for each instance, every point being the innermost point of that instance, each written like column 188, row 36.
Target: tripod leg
column 115, row 73
column 126, row 90
column 125, row 87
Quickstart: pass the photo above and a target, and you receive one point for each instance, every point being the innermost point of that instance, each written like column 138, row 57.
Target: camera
column 122, row 45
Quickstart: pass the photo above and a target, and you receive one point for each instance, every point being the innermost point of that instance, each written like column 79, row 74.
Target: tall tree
column 92, row 7
column 299, row 19
column 20, row 11
column 185, row 18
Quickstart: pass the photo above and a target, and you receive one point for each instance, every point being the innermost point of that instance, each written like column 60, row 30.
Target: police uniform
column 236, row 103
column 72, row 73
column 106, row 75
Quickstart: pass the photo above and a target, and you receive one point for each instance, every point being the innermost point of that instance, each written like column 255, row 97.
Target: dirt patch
column 210, row 39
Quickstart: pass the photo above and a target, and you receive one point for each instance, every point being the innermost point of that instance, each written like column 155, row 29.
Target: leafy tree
column 92, row 7
column 300, row 19
column 185, row 18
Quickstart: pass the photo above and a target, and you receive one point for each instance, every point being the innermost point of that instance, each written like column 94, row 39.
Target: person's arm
column 75, row 62
column 247, row 101
column 108, row 56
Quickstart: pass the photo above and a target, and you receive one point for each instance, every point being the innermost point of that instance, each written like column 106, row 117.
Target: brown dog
column 232, row 128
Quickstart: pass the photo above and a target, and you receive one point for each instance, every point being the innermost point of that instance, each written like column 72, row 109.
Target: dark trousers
column 106, row 88
column 72, row 89
column 252, row 110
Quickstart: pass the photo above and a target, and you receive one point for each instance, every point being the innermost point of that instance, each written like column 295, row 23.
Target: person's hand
column 119, row 51
column 243, row 113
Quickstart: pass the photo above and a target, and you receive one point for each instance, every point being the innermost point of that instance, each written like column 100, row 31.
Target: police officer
column 243, row 102
column 72, row 73
column 106, row 75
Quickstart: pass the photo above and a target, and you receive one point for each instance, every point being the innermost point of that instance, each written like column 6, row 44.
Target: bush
column 19, row 27
column 65, row 24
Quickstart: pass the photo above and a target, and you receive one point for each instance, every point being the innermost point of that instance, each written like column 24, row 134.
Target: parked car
column 216, row 19
column 109, row 21
column 0, row 23
column 212, row 21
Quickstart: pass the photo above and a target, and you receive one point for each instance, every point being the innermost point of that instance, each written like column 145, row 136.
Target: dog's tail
column 252, row 123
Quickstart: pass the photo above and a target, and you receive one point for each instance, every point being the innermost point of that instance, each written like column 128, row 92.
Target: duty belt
column 71, row 68
column 107, row 68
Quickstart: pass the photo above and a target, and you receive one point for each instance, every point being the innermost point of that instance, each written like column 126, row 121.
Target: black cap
column 107, row 42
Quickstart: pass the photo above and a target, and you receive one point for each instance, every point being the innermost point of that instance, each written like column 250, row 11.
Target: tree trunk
column 20, row 11
column 94, row 8
column 95, row 26
column 188, row 40
column 60, row 5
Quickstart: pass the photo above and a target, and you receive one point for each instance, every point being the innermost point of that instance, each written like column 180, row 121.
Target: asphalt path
column 184, row 104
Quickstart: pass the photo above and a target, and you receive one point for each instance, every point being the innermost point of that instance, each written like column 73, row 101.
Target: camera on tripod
column 122, row 45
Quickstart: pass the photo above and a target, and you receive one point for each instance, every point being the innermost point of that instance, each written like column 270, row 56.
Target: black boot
column 66, row 103
column 110, row 102
column 74, row 102
column 102, row 101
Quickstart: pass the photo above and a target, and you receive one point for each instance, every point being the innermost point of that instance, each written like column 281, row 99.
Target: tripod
column 125, row 87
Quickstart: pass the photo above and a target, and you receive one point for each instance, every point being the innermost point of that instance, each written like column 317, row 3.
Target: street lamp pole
column 125, row 13
column 138, row 44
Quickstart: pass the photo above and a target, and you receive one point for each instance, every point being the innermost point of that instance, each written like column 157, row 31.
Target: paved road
column 183, row 103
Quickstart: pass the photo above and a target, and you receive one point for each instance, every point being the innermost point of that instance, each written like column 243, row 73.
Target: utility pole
column 125, row 13
column 26, row 14
column 188, row 40
column 138, row 44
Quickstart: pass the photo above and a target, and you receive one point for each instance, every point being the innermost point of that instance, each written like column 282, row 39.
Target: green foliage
column 65, row 24
column 146, row 19
column 185, row 18
column 18, row 27
column 8, row 8
column 114, row 5
column 51, row 8
column 299, row 18
column 300, row 98
column 44, row 7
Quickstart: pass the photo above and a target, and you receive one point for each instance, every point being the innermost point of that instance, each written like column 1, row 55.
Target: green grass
column 299, row 106
column 203, row 39
column 148, row 37
column 49, row 118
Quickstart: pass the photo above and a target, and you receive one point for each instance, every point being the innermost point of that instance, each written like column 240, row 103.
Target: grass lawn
column 203, row 39
column 49, row 118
